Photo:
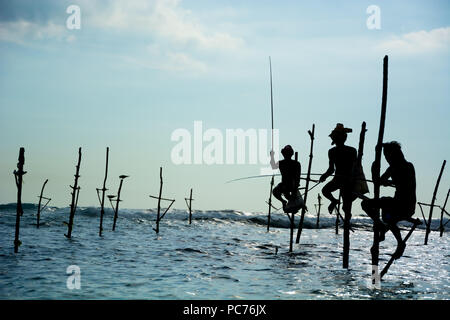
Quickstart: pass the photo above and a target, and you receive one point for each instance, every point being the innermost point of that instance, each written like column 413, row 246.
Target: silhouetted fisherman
column 342, row 162
column 403, row 204
column 290, row 176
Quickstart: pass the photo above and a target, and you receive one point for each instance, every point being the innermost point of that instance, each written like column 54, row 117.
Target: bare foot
column 332, row 206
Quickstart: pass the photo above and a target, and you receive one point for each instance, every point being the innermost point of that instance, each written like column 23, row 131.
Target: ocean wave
column 277, row 220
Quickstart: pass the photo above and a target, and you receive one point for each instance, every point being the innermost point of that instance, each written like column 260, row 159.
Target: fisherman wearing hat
column 342, row 161
column 290, row 175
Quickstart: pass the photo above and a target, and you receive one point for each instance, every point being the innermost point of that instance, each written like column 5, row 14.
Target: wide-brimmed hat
column 340, row 130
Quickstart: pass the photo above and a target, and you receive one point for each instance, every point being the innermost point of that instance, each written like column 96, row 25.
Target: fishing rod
column 278, row 174
column 271, row 96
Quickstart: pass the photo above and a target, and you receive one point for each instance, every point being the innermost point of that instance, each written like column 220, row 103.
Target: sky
column 136, row 71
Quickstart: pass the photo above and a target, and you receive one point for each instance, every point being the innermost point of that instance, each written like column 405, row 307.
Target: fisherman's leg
column 347, row 200
column 391, row 217
column 401, row 245
column 277, row 192
column 371, row 208
column 327, row 193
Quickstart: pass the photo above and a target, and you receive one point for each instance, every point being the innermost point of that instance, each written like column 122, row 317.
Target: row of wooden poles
column 375, row 179
column 101, row 194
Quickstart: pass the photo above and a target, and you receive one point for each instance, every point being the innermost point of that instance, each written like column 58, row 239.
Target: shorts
column 392, row 209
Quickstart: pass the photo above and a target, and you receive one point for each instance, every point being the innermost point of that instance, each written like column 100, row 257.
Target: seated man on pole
column 342, row 162
column 290, row 179
column 402, row 205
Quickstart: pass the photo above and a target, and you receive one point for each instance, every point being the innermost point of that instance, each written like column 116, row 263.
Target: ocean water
column 221, row 255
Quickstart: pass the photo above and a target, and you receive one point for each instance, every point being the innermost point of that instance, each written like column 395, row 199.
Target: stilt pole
column 441, row 226
column 308, row 177
column 39, row 204
column 159, row 200
column 18, row 176
column 116, row 209
column 427, row 232
column 75, row 193
column 319, row 199
column 270, row 203
column 102, row 203
column 376, row 169
column 190, row 207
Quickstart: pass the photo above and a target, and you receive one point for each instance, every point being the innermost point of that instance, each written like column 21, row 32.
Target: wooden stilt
column 159, row 200
column 116, row 208
column 428, row 226
column 357, row 168
column 308, row 177
column 415, row 222
column 18, row 176
column 40, row 202
column 159, row 216
column 346, row 235
column 319, row 199
column 103, row 190
column 75, row 193
column 376, row 166
column 291, row 236
column 189, row 205
column 270, row 203
column 441, row 225
column 292, row 221
column 338, row 215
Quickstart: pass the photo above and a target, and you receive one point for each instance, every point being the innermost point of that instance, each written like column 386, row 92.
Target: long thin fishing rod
column 269, row 175
column 303, row 174
column 271, row 96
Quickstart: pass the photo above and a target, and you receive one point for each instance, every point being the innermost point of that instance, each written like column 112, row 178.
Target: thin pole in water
column 319, row 199
column 270, row 203
column 103, row 190
column 271, row 114
column 271, row 95
column 159, row 215
column 441, row 226
column 116, row 209
column 415, row 222
column 427, row 232
column 75, row 193
column 375, row 250
column 308, row 177
column 159, row 200
column 189, row 205
column 292, row 221
column 18, row 176
column 338, row 214
column 39, row 204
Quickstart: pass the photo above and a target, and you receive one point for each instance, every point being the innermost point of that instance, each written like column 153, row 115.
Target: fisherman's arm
column 330, row 170
column 384, row 179
column 275, row 165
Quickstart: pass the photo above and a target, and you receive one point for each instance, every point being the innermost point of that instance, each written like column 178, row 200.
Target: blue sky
column 138, row 70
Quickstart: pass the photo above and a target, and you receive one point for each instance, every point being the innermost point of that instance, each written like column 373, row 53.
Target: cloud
column 419, row 42
column 22, row 31
column 165, row 19
column 162, row 59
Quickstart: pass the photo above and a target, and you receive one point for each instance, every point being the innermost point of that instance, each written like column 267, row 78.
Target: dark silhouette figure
column 290, row 176
column 342, row 161
column 403, row 204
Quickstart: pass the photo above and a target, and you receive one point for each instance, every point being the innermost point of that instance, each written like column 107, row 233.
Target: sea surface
column 221, row 255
